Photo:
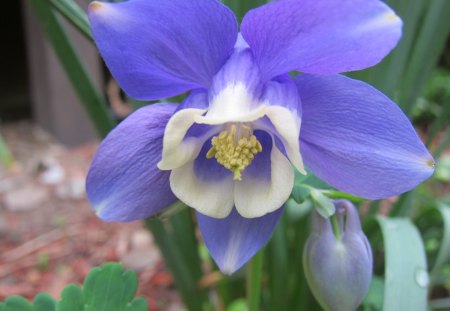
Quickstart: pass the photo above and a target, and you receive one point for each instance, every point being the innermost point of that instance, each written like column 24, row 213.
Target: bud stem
column 336, row 227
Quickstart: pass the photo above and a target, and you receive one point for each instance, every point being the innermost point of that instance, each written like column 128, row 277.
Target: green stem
column 254, row 278
column 336, row 227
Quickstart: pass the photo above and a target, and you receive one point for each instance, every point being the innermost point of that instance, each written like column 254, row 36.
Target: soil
column 49, row 236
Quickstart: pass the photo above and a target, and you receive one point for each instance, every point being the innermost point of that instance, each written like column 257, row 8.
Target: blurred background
column 57, row 100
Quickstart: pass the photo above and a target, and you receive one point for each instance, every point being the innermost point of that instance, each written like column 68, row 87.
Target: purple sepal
column 156, row 49
column 323, row 37
column 358, row 140
column 123, row 183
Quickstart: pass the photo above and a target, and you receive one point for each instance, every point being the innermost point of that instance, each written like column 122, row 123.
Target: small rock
column 73, row 189
column 28, row 198
column 52, row 174
column 143, row 253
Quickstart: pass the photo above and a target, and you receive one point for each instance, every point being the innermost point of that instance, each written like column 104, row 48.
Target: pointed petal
column 358, row 140
column 158, row 49
column 124, row 183
column 325, row 36
column 266, row 184
column 234, row 240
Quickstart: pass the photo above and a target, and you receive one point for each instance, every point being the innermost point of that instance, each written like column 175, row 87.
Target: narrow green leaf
column 93, row 102
column 429, row 44
column 254, row 279
column 185, row 280
column 74, row 14
column 406, row 277
column 443, row 256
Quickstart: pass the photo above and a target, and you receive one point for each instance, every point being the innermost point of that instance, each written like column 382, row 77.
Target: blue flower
column 229, row 149
column 338, row 269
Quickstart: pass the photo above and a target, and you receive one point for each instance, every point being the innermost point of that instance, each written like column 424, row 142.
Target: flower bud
column 338, row 267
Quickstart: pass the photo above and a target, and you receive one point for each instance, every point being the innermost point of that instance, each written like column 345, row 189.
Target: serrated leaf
column 16, row 303
column 71, row 299
column 106, row 288
column 322, row 203
column 44, row 302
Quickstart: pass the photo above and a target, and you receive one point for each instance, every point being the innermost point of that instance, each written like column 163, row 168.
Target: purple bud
column 338, row 268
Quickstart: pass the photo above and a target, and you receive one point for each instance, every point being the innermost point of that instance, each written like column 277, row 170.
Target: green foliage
column 106, row 288
column 74, row 67
column 404, row 260
column 409, row 76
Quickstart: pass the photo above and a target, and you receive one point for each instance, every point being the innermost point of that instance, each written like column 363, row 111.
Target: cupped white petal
column 178, row 150
column 256, row 197
column 211, row 198
column 235, row 103
column 287, row 126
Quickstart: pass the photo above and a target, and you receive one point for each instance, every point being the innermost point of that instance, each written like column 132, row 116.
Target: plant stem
column 336, row 227
column 254, row 278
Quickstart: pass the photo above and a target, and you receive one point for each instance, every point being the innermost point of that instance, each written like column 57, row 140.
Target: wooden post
column 56, row 107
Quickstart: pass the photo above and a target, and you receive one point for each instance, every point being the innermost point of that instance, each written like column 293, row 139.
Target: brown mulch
column 49, row 237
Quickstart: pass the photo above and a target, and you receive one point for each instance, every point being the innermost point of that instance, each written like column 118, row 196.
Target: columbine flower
column 338, row 269
column 227, row 149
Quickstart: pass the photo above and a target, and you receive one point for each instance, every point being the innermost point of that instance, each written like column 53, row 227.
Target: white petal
column 256, row 197
column 287, row 125
column 176, row 150
column 235, row 103
column 213, row 199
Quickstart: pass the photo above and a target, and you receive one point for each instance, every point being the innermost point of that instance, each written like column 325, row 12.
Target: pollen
column 95, row 5
column 235, row 148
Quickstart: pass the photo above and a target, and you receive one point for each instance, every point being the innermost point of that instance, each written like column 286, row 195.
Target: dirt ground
column 49, row 237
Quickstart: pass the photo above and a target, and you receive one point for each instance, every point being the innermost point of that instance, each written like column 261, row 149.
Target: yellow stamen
column 235, row 152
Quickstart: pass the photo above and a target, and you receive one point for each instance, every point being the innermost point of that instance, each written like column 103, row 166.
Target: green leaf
column 238, row 305
column 16, row 303
column 106, row 288
column 430, row 41
column 74, row 14
column 71, row 299
column 443, row 256
column 93, row 102
column 44, row 302
column 406, row 277
column 323, row 204
column 375, row 296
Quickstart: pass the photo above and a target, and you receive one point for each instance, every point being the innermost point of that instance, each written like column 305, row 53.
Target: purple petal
column 158, row 49
column 358, row 140
column 124, row 183
column 325, row 36
column 232, row 241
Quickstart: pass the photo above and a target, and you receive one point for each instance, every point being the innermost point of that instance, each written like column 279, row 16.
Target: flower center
column 235, row 148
